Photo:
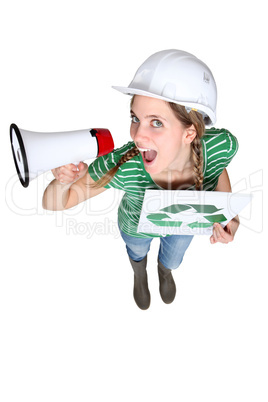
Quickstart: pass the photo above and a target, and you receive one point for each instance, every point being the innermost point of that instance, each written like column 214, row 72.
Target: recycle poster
column 166, row 212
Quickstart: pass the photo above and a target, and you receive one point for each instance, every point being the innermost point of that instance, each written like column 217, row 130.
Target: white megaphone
column 35, row 153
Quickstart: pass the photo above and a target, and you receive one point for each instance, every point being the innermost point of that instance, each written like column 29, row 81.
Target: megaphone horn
column 35, row 153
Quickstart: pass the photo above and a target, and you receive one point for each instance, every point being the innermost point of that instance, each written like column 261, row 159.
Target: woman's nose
column 140, row 134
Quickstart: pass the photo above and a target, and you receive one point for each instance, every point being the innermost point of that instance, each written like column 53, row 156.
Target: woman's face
column 158, row 134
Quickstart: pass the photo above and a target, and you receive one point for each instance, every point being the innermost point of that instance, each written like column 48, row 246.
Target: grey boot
column 141, row 292
column 167, row 285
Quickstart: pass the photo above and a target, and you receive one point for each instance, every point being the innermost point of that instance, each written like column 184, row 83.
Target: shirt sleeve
column 231, row 147
column 219, row 148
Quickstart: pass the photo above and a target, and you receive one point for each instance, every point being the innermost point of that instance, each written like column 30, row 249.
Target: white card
column 166, row 212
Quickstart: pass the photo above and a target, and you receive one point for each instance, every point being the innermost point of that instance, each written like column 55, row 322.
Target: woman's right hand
column 70, row 173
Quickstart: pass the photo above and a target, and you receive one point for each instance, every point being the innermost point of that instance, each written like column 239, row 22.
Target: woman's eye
column 157, row 123
column 134, row 119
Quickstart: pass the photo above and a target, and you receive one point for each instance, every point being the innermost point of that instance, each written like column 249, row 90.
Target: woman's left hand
column 224, row 235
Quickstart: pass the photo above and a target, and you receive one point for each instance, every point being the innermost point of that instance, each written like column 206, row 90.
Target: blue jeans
column 171, row 250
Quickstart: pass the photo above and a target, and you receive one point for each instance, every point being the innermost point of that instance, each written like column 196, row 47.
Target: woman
column 174, row 97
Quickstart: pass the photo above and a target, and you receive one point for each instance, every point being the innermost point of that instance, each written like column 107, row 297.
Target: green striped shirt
column 219, row 147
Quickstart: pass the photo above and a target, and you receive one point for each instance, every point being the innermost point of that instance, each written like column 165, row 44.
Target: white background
column 70, row 329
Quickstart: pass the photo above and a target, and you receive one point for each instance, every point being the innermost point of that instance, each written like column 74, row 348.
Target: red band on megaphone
column 105, row 141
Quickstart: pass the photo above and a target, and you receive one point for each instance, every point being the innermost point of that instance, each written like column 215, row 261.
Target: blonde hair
column 187, row 120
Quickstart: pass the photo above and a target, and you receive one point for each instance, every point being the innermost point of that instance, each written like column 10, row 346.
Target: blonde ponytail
column 108, row 176
column 197, row 154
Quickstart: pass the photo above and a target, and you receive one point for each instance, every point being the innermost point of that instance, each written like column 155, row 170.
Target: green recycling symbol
column 174, row 215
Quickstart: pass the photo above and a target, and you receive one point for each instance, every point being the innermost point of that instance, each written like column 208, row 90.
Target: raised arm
column 71, row 186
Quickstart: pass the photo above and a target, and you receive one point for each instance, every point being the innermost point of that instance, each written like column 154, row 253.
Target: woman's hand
column 224, row 235
column 69, row 174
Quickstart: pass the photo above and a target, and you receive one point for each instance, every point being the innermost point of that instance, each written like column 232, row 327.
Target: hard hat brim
column 206, row 111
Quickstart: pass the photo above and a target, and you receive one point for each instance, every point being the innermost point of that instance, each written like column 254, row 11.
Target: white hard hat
column 179, row 77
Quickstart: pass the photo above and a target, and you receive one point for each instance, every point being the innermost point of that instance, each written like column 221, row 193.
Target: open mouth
column 148, row 155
